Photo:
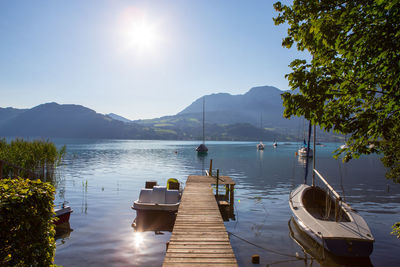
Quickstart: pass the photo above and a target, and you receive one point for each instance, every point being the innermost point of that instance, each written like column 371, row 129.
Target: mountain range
column 255, row 115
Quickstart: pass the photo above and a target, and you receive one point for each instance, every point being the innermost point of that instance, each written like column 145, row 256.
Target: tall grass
column 36, row 158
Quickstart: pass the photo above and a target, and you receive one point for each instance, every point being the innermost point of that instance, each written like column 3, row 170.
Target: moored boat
column 260, row 146
column 304, row 151
column 62, row 214
column 159, row 198
column 337, row 227
column 324, row 216
column 202, row 149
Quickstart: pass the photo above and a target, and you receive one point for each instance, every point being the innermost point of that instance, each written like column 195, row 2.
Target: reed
column 29, row 159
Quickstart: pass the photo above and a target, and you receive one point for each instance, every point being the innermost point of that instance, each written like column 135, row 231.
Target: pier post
column 217, row 184
column 231, row 198
column 210, row 171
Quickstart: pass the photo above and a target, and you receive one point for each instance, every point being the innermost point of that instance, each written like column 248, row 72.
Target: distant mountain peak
column 262, row 89
column 118, row 117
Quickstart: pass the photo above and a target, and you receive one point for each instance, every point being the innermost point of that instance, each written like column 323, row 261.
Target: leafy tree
column 352, row 83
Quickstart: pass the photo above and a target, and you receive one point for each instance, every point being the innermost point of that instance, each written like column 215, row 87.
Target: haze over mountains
column 255, row 115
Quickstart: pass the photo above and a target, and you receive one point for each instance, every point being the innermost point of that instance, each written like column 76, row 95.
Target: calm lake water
column 101, row 178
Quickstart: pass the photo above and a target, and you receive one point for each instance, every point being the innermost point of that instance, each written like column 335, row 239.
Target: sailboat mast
column 204, row 99
column 308, row 152
column 314, row 159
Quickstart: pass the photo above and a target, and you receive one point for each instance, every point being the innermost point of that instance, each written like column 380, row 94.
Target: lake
column 101, row 178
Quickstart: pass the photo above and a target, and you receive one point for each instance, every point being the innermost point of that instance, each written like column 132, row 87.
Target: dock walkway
column 199, row 236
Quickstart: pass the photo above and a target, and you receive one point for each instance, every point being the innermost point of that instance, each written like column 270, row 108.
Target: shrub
column 26, row 228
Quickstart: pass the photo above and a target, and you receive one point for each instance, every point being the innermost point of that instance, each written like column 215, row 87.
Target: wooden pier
column 199, row 236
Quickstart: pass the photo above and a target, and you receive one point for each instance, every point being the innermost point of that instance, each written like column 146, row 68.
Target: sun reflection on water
column 138, row 239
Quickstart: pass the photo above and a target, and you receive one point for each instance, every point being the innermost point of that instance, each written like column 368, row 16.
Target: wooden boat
column 331, row 222
column 156, row 198
column 63, row 214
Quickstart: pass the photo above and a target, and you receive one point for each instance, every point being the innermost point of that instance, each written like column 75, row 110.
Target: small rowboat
column 62, row 214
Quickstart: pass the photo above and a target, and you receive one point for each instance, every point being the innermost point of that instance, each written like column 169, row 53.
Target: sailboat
column 328, row 219
column 305, row 150
column 260, row 146
column 202, row 149
column 274, row 144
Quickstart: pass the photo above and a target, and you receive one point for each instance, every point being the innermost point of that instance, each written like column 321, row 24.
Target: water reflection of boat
column 317, row 252
column 302, row 161
column 63, row 231
column 163, row 199
column 154, row 221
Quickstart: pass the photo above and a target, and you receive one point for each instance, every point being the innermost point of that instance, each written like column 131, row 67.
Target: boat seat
column 171, row 196
column 145, row 195
column 159, row 194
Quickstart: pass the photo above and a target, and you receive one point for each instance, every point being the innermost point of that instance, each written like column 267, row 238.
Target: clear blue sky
column 139, row 59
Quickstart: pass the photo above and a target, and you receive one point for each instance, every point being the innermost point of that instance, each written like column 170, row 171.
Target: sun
column 142, row 34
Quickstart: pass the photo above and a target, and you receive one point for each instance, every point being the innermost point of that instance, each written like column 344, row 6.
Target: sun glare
column 139, row 239
column 143, row 35
column 140, row 33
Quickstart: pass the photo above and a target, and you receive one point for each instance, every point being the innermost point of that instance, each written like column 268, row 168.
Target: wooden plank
column 200, row 260
column 200, row 250
column 199, row 236
column 171, row 264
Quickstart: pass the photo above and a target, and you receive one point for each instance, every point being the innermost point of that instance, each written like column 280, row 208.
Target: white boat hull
column 157, row 199
column 350, row 237
column 302, row 152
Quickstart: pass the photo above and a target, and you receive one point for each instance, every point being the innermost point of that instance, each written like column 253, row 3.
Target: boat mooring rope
column 266, row 249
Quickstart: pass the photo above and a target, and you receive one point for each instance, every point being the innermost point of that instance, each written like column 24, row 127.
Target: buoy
column 255, row 259
column 295, row 153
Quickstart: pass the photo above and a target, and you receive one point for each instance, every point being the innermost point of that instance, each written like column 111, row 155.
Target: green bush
column 26, row 228
column 396, row 229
